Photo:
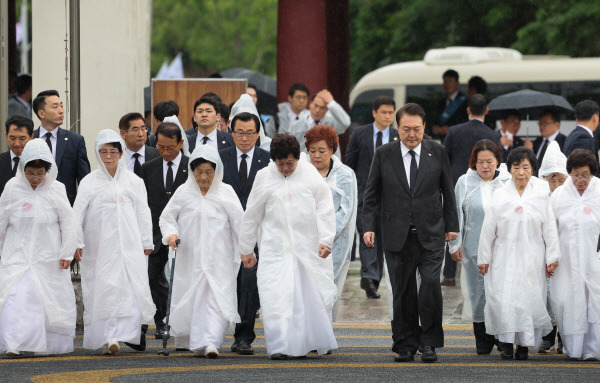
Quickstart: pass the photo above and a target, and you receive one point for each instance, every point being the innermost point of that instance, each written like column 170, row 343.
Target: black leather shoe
column 369, row 287
column 429, row 355
column 234, row 346
column 507, row 351
column 159, row 334
column 138, row 347
column 405, row 356
column 278, row 356
column 243, row 348
column 522, row 353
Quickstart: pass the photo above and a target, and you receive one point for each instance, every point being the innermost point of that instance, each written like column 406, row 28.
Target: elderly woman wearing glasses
column 575, row 288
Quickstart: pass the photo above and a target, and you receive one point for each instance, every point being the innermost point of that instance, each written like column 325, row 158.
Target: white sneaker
column 588, row 357
column 112, row 348
column 12, row 353
column 211, row 352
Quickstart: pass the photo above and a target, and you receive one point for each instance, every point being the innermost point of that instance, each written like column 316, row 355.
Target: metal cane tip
column 177, row 241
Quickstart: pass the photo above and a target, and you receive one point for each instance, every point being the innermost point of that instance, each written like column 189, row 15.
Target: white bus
column 504, row 70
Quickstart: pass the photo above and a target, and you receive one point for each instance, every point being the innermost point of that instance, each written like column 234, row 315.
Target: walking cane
column 166, row 335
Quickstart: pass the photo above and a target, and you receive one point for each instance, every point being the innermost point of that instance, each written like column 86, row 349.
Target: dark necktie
column 244, row 170
column 413, row 171
column 137, row 166
column 169, row 182
column 204, row 140
column 14, row 169
column 379, row 140
column 297, row 117
column 48, row 135
column 543, row 151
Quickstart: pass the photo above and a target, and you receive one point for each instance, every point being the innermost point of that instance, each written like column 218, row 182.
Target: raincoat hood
column 246, row 105
column 554, row 161
column 186, row 144
column 37, row 149
column 210, row 154
column 108, row 136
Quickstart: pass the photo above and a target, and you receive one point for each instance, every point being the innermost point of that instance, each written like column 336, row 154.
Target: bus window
column 428, row 97
column 361, row 112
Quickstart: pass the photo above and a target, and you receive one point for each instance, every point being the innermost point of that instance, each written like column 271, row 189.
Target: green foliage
column 215, row 34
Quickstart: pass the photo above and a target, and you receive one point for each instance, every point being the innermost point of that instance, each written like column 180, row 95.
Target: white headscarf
column 108, row 136
column 210, row 154
column 37, row 149
column 554, row 161
column 246, row 105
column 186, row 145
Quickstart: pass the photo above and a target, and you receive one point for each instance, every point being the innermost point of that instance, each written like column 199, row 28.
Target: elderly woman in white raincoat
column 290, row 215
column 517, row 246
column 245, row 104
column 112, row 208
column 473, row 193
column 554, row 171
column 321, row 142
column 38, row 237
column 575, row 286
column 206, row 214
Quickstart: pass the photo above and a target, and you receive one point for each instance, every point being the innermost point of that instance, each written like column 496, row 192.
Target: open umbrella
column 267, row 87
column 529, row 103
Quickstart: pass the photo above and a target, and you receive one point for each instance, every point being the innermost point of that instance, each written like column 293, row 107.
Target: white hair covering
column 246, row 105
column 37, row 149
column 554, row 161
column 186, row 145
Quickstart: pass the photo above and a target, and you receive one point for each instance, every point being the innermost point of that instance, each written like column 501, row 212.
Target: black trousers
column 248, row 303
column 449, row 265
column 159, row 284
column 409, row 305
column 371, row 258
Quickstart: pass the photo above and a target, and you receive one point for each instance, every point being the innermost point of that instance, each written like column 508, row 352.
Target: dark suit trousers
column 371, row 258
column 410, row 305
column 449, row 265
column 248, row 303
column 159, row 284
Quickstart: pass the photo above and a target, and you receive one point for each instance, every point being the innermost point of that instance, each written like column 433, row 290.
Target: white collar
column 588, row 130
column 43, row 132
column 249, row 154
column 405, row 150
column 212, row 135
column 453, row 96
column 176, row 161
column 142, row 151
column 551, row 138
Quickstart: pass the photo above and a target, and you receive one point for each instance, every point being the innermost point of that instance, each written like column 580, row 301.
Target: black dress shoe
column 507, row 351
column 522, row 353
column 159, row 334
column 369, row 287
column 278, row 356
column 429, row 355
column 243, row 348
column 141, row 346
column 405, row 356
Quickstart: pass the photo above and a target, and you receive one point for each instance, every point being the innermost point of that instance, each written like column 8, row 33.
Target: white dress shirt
column 385, row 136
column 588, row 130
column 293, row 116
column 544, row 139
column 131, row 161
column 175, row 168
column 212, row 139
column 407, row 158
column 53, row 138
column 248, row 159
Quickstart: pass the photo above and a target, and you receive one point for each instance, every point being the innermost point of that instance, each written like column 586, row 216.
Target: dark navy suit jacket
column 231, row 176
column 6, row 166
column 224, row 140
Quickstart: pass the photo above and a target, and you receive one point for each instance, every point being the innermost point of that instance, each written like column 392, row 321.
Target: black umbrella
column 267, row 87
column 529, row 103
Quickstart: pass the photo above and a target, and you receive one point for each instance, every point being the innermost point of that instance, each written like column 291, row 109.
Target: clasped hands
column 249, row 260
column 369, row 238
column 483, row 269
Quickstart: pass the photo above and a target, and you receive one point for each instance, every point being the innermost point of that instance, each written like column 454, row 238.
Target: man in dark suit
column 507, row 135
column 132, row 127
column 462, row 138
column 241, row 163
column 19, row 130
column 549, row 124
column 68, row 148
column 205, row 121
column 363, row 142
column 452, row 109
column 410, row 182
column 161, row 111
column 587, row 116
column 162, row 176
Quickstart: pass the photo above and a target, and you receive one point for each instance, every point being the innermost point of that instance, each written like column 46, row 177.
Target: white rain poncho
column 117, row 228
column 575, row 286
column 246, row 105
column 186, row 145
column 473, row 196
column 554, row 161
column 518, row 240
column 208, row 227
column 37, row 229
column 342, row 182
column 289, row 217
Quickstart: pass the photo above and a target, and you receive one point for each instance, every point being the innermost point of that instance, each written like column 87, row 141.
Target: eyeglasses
column 581, row 178
column 244, row 134
column 113, row 153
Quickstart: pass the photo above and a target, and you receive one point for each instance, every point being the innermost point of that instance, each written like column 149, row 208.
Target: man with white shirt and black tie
column 549, row 124
column 206, row 114
column 162, row 176
column 68, row 148
column 240, row 165
column 587, row 115
column 19, row 130
column 134, row 132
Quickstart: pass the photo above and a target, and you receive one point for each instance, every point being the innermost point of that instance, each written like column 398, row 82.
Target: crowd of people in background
column 264, row 215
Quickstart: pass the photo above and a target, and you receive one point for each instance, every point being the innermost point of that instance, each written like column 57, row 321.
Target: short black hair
column 116, row 145
column 165, row 109
column 298, row 86
column 199, row 161
column 21, row 122
column 205, row 100
column 478, row 84
column 477, row 104
column 213, row 95
column 40, row 100
column 224, row 111
column 481, row 146
column 126, row 119
column 245, row 117
column 585, row 110
column 383, row 100
column 284, row 144
column 451, row 73
column 518, row 155
column 411, row 109
column 38, row 164
column 22, row 83
column 582, row 157
column 169, row 130
column 251, row 85
column 554, row 115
